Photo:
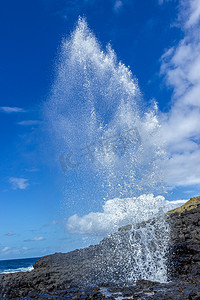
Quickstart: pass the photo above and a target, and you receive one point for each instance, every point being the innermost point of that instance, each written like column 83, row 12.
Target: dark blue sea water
column 17, row 265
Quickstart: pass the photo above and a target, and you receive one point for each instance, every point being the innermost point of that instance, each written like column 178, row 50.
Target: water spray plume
column 95, row 119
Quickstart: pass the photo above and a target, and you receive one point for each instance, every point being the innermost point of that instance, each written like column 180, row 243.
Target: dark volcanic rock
column 185, row 239
column 74, row 275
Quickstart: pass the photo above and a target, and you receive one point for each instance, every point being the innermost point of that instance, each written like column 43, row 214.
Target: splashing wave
column 104, row 137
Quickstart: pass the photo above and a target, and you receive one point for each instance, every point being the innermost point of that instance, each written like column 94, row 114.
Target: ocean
column 17, row 265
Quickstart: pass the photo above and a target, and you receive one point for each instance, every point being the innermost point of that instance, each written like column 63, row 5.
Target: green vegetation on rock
column 190, row 204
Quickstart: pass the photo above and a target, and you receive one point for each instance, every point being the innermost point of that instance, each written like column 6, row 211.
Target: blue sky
column 157, row 39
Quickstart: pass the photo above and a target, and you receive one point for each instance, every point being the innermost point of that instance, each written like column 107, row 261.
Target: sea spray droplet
column 102, row 135
column 95, row 99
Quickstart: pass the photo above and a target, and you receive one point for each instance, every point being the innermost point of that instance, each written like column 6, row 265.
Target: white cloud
column 10, row 233
column 181, row 69
column 18, row 183
column 54, row 222
column 6, row 249
column 118, row 5
column 29, row 122
column 32, row 170
column 25, row 248
column 119, row 212
column 35, row 239
column 8, row 109
column 161, row 2
column 193, row 7
column 9, row 250
column 40, row 238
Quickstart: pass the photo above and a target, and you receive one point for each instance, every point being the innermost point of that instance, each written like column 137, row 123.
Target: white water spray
column 100, row 131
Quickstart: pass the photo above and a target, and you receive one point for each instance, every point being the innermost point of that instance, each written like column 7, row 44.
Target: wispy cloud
column 54, row 222
column 70, row 9
column 8, row 109
column 9, row 233
column 9, row 250
column 193, row 7
column 25, row 248
column 161, row 2
column 180, row 66
column 5, row 249
column 35, row 239
column 18, row 183
column 32, row 170
column 118, row 5
column 29, row 122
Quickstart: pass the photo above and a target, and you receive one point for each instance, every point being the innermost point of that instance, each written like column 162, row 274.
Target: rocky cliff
column 185, row 239
column 100, row 271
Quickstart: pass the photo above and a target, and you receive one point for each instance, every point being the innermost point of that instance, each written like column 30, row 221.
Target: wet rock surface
column 83, row 274
column 179, row 289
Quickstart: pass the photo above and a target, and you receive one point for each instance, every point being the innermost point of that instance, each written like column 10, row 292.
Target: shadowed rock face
column 185, row 239
column 68, row 275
